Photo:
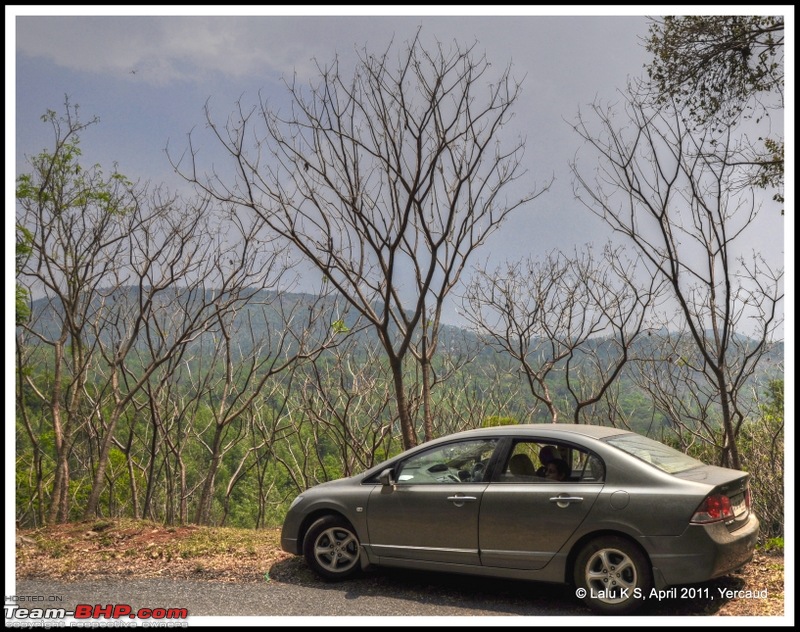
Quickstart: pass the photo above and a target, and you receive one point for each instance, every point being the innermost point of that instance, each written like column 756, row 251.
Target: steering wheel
column 478, row 470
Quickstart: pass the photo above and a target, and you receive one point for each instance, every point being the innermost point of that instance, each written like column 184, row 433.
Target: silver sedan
column 617, row 515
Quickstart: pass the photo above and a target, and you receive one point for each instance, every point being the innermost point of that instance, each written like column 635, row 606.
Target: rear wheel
column 332, row 549
column 613, row 575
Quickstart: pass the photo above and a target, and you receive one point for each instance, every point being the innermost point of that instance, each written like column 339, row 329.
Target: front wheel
column 613, row 575
column 331, row 548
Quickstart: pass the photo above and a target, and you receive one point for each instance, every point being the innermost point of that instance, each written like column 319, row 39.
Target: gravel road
column 294, row 592
column 384, row 593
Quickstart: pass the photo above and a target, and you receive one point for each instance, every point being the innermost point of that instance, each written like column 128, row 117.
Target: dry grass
column 763, row 574
column 129, row 548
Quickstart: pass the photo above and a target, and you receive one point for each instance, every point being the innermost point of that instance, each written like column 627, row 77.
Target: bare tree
column 386, row 183
column 177, row 282
column 76, row 220
column 671, row 190
column 458, row 350
column 491, row 390
column 347, row 397
column 126, row 279
column 33, row 424
column 569, row 323
column 238, row 374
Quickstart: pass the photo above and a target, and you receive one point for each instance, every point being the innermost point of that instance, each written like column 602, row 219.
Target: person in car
column 557, row 470
column 546, row 455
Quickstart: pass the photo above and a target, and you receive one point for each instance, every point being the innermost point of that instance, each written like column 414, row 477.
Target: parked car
column 632, row 517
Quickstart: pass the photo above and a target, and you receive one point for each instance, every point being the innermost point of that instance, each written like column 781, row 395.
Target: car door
column 431, row 511
column 525, row 520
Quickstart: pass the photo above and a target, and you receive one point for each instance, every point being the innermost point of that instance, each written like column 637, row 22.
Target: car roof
column 545, row 430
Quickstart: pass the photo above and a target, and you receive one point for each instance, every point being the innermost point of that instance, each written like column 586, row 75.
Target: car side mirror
column 387, row 477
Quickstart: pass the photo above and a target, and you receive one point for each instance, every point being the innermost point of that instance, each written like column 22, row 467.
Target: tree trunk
column 203, row 514
column 102, row 464
column 407, row 429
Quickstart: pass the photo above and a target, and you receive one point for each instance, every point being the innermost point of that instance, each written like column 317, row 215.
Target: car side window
column 453, row 463
column 592, row 470
column 551, row 462
column 522, row 464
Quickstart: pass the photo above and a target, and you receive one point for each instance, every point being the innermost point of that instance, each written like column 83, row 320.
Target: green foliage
column 23, row 310
column 312, row 451
column 720, row 68
column 761, row 449
column 59, row 180
column 80, row 485
column 339, row 327
column 117, row 499
column 54, row 548
column 773, row 544
column 494, row 421
column 27, row 503
column 716, row 64
column 23, row 250
column 770, row 167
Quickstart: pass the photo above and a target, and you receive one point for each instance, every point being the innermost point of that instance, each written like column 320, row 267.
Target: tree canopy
column 723, row 69
column 717, row 65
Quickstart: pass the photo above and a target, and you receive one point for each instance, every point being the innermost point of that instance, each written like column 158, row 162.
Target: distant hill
column 262, row 316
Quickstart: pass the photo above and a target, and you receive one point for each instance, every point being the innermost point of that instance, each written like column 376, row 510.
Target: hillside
column 263, row 315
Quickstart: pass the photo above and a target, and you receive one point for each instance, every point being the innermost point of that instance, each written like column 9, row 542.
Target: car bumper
column 290, row 545
column 290, row 532
column 702, row 552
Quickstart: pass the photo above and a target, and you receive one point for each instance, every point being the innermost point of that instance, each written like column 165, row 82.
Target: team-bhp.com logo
column 86, row 611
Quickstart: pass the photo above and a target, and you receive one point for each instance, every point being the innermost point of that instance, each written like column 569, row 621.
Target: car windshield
column 655, row 453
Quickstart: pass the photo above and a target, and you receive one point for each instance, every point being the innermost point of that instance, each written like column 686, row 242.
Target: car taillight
column 714, row 508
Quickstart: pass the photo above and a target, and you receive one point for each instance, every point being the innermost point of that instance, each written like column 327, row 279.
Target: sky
column 148, row 79
column 148, row 72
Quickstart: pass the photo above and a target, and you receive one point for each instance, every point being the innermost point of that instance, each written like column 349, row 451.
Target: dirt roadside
column 140, row 549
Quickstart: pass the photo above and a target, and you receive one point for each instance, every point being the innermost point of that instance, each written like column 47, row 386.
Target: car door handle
column 564, row 501
column 459, row 501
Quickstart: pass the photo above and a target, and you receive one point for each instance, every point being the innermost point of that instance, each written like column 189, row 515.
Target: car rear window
column 655, row 453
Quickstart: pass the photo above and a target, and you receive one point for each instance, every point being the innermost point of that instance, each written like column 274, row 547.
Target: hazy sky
column 148, row 77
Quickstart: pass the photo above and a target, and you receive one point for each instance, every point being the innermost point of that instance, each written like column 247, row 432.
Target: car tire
column 612, row 575
column 332, row 549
